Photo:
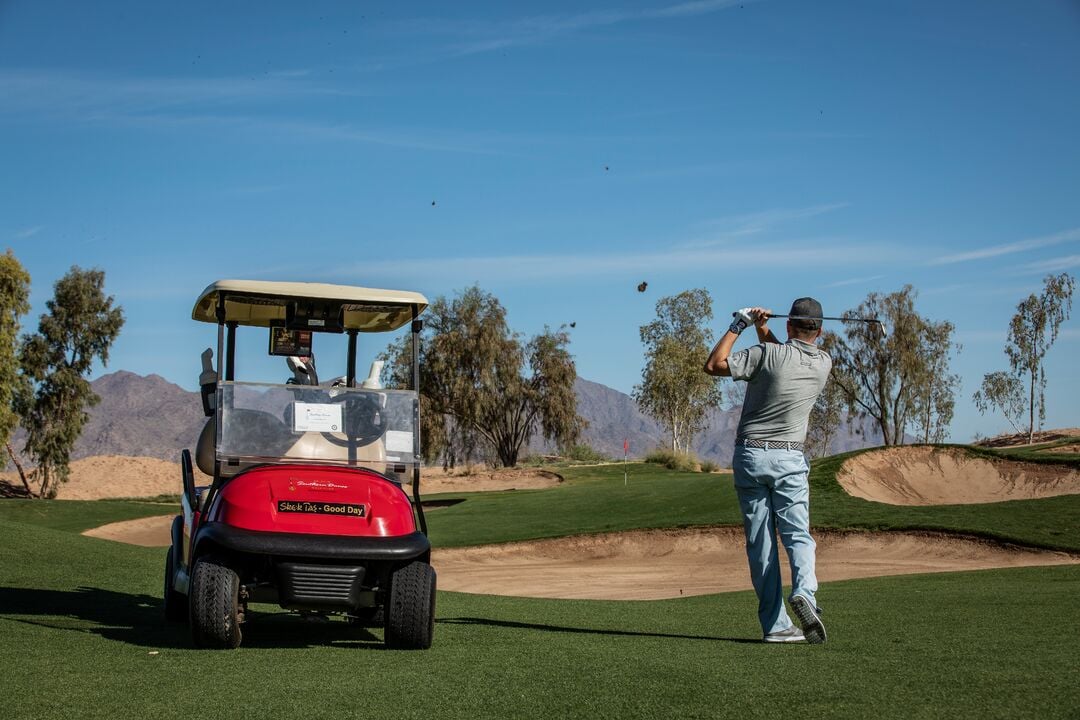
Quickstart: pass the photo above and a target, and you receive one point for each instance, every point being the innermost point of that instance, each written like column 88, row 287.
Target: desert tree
column 481, row 385
column 14, row 303
column 1002, row 391
column 1032, row 331
column 673, row 389
column 79, row 329
column 934, row 397
column 884, row 377
column 826, row 418
column 827, row 414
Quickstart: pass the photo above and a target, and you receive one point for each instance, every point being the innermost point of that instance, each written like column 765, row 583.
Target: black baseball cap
column 806, row 307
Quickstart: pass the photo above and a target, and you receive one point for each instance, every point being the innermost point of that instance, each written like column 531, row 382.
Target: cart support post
column 350, row 370
column 417, row 326
column 230, row 351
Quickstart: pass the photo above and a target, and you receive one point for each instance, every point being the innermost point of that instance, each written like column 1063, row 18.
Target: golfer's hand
column 760, row 316
column 741, row 320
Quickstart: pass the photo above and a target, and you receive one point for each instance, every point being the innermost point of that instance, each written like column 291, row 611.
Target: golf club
column 874, row 321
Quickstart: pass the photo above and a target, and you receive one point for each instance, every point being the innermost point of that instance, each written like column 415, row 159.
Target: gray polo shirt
column 782, row 384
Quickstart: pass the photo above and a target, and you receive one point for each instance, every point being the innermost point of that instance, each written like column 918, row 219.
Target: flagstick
column 625, row 449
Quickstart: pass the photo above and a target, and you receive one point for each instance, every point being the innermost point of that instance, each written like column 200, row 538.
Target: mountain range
column 146, row 415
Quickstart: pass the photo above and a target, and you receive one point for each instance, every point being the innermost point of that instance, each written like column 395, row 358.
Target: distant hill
column 149, row 416
column 139, row 415
column 613, row 416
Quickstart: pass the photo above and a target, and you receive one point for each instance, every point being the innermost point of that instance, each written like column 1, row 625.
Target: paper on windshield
column 317, row 417
column 398, row 441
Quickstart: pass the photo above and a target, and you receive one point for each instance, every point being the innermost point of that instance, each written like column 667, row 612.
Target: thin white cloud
column 1054, row 264
column 545, row 268
column 29, row 232
column 1008, row 248
column 229, row 103
column 854, row 281
column 490, row 36
column 721, row 231
column 63, row 93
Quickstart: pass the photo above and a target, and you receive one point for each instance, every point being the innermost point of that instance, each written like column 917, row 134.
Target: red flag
column 625, row 445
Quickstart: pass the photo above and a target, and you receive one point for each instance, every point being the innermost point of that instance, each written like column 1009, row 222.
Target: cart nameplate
column 321, row 508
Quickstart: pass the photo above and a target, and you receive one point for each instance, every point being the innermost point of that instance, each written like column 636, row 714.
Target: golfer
column 783, row 380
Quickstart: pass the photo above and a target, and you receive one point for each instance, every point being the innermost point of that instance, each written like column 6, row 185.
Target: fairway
column 82, row 635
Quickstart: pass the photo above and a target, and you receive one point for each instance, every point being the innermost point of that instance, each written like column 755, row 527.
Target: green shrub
column 708, row 466
column 584, row 453
column 681, row 462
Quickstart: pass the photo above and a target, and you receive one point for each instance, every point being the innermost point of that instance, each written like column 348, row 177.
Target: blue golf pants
column 774, row 496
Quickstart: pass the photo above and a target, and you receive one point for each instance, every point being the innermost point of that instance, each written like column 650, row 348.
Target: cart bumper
column 400, row 548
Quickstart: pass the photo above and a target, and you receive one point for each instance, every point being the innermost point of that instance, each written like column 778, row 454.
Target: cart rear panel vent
column 319, row 587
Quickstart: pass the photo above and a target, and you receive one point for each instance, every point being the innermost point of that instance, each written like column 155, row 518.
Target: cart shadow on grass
column 510, row 624
column 138, row 619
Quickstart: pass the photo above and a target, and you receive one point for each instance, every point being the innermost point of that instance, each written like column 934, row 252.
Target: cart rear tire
column 410, row 613
column 176, row 603
column 215, row 604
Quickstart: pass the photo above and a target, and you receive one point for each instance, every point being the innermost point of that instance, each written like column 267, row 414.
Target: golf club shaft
column 807, row 317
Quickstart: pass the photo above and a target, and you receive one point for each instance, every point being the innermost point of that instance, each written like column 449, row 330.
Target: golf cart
column 306, row 508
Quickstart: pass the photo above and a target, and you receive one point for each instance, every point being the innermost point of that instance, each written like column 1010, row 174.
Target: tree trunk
column 1031, row 411
column 43, row 470
column 926, row 434
column 19, row 467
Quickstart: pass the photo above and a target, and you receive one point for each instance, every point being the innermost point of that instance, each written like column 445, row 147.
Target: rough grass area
column 81, row 635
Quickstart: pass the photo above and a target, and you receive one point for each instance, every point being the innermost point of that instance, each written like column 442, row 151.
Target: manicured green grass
column 591, row 500
column 81, row 636
column 79, row 515
column 81, row 633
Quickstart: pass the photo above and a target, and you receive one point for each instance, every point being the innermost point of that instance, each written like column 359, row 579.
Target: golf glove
column 743, row 319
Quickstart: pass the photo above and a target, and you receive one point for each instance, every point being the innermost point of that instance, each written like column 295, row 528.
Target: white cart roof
column 262, row 303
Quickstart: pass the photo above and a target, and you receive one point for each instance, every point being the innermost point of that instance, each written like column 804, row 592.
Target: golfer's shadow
column 140, row 620
column 585, row 631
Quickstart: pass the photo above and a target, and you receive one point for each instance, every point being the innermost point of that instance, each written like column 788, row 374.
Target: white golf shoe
column 810, row 618
column 791, row 635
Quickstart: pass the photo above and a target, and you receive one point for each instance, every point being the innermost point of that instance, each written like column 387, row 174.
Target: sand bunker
column 435, row 480
column 650, row 565
column 117, row 476
column 148, row 532
column 655, row 564
column 950, row 476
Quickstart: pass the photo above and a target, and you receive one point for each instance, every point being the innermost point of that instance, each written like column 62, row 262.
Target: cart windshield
column 267, row 423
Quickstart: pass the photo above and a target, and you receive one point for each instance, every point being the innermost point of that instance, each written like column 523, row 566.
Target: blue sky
column 762, row 150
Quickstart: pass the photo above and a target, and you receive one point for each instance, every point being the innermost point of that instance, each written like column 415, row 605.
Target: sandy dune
column 147, row 532
column 649, row 565
column 435, row 480
column 948, row 476
column 116, row 476
column 654, row 564
column 113, row 476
